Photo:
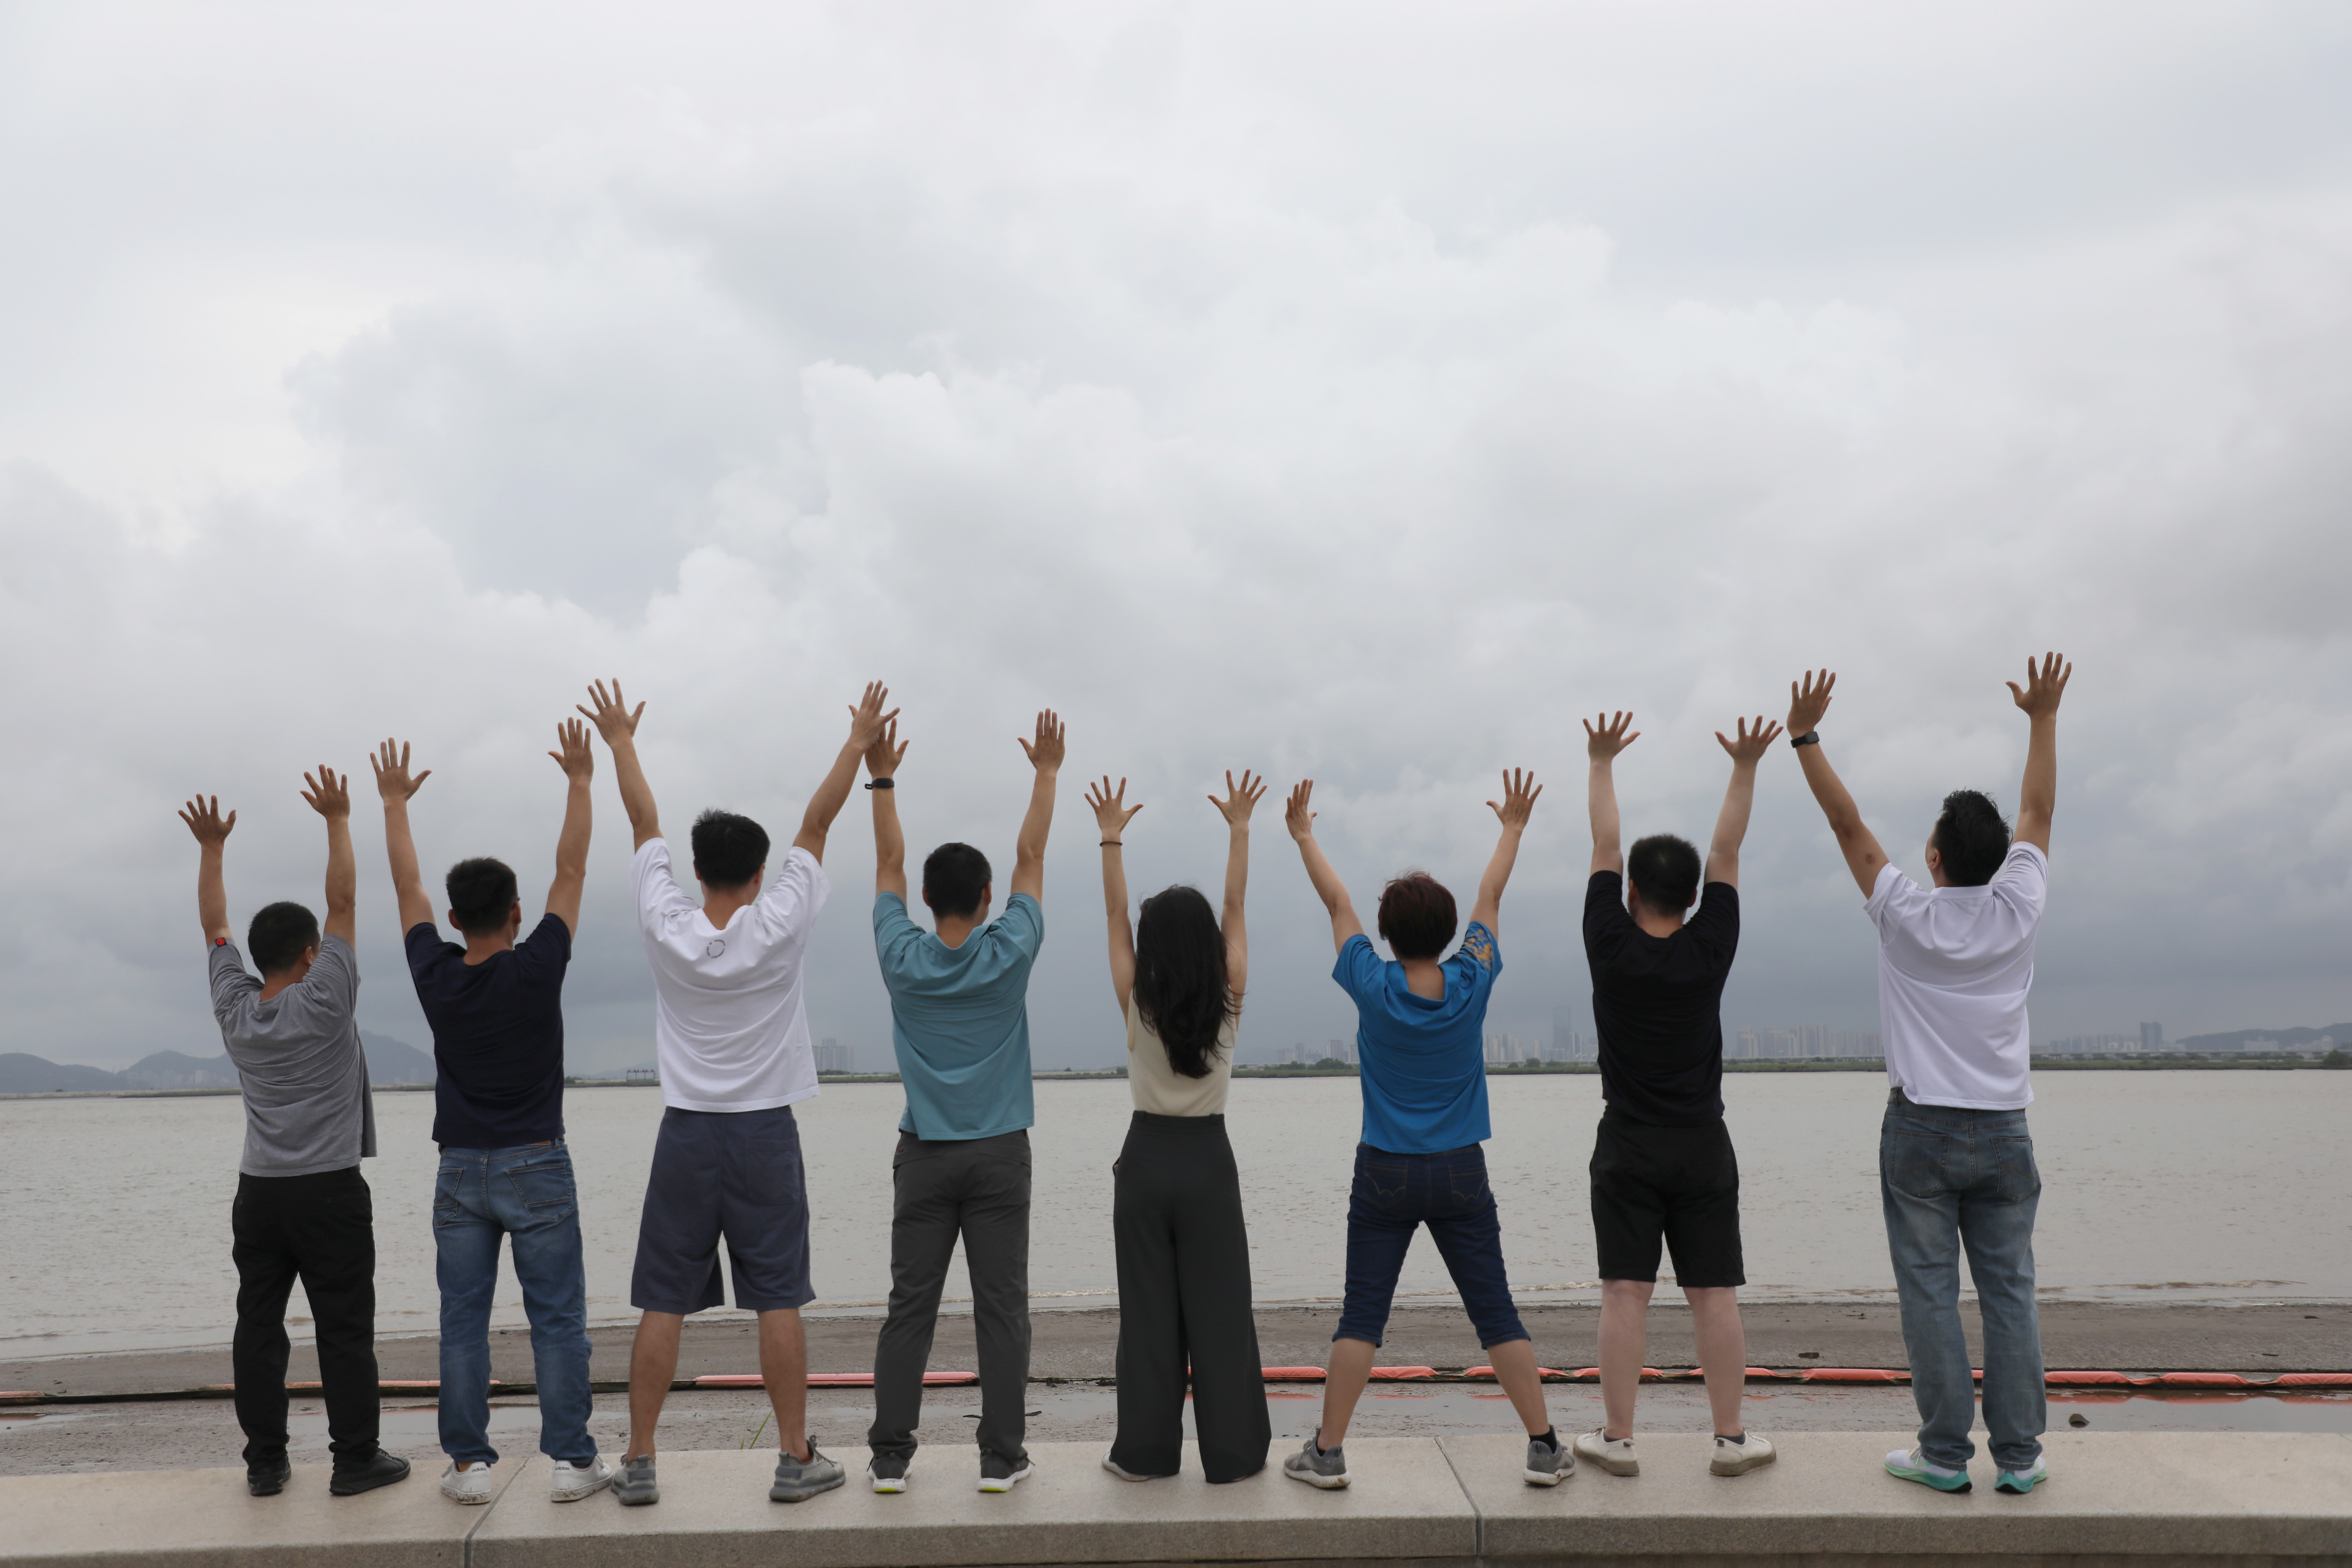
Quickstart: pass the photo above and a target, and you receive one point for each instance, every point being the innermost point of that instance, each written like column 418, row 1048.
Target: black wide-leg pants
column 1184, row 1303
column 319, row 1229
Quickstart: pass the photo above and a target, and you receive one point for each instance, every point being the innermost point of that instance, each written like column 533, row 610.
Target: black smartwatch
column 1810, row 738
column 882, row 783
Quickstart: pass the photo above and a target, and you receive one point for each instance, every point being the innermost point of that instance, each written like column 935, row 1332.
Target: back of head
column 1181, row 989
column 954, row 878
column 1416, row 918
column 729, row 850
column 1666, row 869
column 481, row 895
column 280, row 935
column 1971, row 840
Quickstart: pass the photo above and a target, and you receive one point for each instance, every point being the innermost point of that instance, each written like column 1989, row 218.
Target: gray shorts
column 731, row 1174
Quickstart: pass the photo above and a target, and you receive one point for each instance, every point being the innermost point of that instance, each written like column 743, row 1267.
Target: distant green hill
column 390, row 1062
column 21, row 1074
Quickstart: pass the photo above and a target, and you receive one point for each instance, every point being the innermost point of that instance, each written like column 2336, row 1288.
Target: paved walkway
column 2148, row 1499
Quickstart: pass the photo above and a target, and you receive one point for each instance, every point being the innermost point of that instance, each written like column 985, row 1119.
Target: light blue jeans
column 481, row 1196
column 1951, row 1178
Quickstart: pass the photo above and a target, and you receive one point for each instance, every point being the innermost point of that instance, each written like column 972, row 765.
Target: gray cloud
column 1332, row 393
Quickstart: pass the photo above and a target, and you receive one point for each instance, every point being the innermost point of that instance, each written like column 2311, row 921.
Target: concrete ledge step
column 2147, row 1499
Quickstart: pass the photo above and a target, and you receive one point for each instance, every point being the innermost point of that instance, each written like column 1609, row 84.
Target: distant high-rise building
column 2151, row 1037
column 1342, row 1051
column 832, row 1056
column 1568, row 1043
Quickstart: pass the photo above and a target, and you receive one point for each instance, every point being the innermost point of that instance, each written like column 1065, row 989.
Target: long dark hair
column 1180, row 986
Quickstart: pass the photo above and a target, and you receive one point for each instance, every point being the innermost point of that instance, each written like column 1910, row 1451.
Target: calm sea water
column 2183, row 1186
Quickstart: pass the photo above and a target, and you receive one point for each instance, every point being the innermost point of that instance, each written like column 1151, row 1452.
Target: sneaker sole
column 554, row 1496
column 468, row 1500
column 1955, row 1487
column 1740, row 1466
column 801, row 1494
column 1545, row 1478
column 889, row 1486
column 1004, row 1483
column 630, row 1499
column 2002, row 1485
column 1614, row 1466
column 1326, row 1483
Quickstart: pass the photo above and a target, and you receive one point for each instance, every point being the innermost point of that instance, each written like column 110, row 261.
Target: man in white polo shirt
column 731, row 1037
column 1955, row 1160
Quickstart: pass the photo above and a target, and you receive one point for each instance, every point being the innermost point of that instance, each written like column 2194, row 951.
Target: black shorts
column 1680, row 1184
column 731, row 1174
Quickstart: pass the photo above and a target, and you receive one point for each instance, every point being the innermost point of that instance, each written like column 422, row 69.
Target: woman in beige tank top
column 1185, row 1318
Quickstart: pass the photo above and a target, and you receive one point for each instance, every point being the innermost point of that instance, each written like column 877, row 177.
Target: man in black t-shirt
column 1663, row 1167
column 495, row 1005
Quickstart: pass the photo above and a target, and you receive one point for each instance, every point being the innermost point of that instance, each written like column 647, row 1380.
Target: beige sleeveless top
column 1159, row 1089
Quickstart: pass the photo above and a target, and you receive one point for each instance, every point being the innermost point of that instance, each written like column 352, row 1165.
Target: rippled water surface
column 2181, row 1186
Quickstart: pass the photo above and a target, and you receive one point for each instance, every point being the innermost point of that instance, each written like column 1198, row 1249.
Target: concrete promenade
column 2147, row 1499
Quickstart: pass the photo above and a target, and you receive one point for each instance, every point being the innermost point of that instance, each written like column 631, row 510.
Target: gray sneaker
column 636, row 1486
column 1325, row 1467
column 797, row 1481
column 1548, row 1464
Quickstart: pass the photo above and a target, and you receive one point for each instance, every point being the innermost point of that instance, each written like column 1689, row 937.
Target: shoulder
column 803, row 869
column 888, row 909
column 1891, row 893
column 1718, row 903
column 228, row 966
column 1480, row 949
column 1604, row 896
column 1360, row 966
column 549, row 938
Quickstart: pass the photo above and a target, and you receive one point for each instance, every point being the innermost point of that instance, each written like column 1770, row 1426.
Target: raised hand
column 1241, row 799
column 577, row 759
column 329, row 794
column 204, row 820
column 866, row 719
column 1296, row 817
column 1518, row 802
column 611, row 716
column 884, row 752
column 1045, row 753
column 1112, row 814
column 2043, row 689
column 1808, row 702
column 391, row 779
column 1606, row 736
column 1751, row 747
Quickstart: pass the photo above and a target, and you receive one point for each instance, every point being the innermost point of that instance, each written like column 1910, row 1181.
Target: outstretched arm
column 1240, row 801
column 1112, row 814
column 1738, row 797
column 578, row 761
column 882, row 759
column 1029, row 850
column 1518, row 802
column 618, row 723
column 329, row 794
column 1864, row 857
column 1327, row 886
column 394, row 783
column 2037, row 798
column 211, row 830
column 866, row 721
column 1602, row 742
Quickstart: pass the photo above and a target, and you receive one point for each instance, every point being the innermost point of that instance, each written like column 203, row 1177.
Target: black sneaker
column 368, row 1474
column 269, row 1477
column 889, row 1472
column 999, row 1474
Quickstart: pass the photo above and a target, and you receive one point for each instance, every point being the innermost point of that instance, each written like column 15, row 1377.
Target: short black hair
column 481, row 895
column 1664, row 869
column 954, row 878
column 1971, row 838
column 729, row 850
column 1416, row 916
column 278, row 935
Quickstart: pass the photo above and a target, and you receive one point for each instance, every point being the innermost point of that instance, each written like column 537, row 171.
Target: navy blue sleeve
column 546, row 952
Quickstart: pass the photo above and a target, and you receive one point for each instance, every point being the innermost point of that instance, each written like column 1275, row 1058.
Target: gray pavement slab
column 2126, row 1494
column 1404, row 1503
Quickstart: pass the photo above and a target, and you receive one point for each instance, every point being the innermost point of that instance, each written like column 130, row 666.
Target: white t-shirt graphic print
column 1954, row 967
column 729, row 1029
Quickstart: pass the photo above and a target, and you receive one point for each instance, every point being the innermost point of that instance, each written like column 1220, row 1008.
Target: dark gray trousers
column 976, row 1189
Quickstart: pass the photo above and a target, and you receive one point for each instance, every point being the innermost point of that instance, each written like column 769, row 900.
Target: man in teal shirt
column 960, row 1025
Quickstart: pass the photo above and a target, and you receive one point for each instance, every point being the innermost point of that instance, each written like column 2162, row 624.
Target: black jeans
column 976, row 1188
column 320, row 1229
column 1184, row 1303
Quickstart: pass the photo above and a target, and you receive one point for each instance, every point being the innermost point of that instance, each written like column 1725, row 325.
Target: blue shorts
column 1396, row 1195
column 731, row 1174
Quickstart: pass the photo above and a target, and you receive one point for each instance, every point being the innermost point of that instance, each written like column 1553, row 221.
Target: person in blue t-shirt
column 1420, row 1049
column 960, row 1027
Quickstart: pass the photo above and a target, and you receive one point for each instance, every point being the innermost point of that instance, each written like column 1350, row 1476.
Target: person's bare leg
column 1514, row 1368
column 1625, row 1339
column 653, row 1363
column 784, row 1367
column 1343, row 1384
column 1722, row 1354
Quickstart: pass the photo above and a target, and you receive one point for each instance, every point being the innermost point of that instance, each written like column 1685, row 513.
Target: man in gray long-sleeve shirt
column 303, row 1208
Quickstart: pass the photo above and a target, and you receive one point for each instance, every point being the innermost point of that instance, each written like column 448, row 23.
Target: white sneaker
column 1614, row 1454
column 469, row 1487
column 573, row 1482
column 1738, row 1458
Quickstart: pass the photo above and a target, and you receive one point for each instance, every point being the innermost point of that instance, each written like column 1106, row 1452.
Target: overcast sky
column 1355, row 391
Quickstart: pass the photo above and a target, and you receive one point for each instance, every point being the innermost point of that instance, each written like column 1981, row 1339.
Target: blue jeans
column 1952, row 1178
column 480, row 1196
column 1396, row 1195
